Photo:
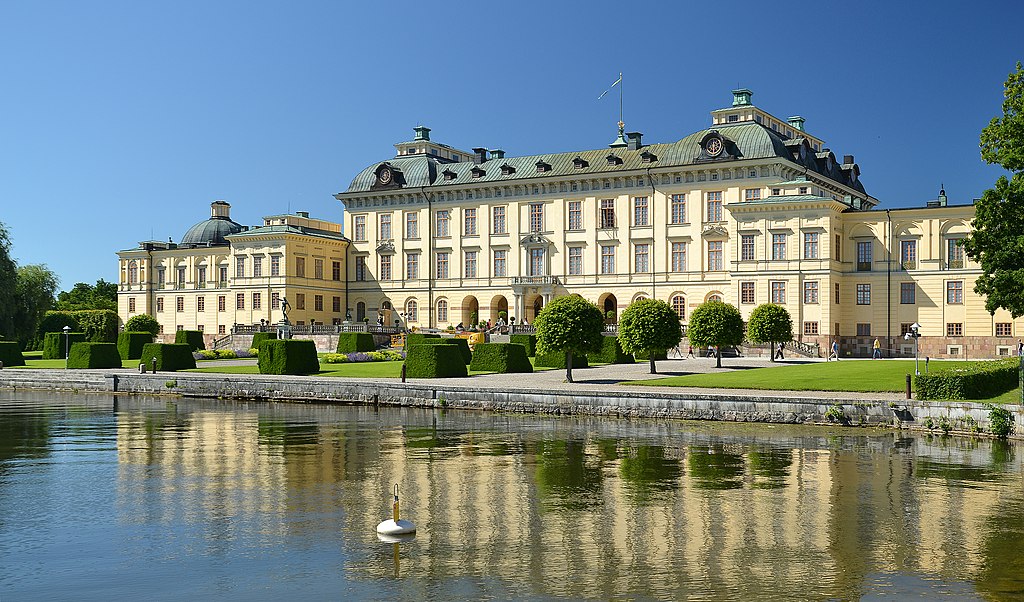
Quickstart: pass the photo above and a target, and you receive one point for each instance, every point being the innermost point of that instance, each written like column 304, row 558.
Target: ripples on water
column 170, row 499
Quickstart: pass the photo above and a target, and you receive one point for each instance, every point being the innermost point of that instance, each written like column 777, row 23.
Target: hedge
column 351, row 342
column 415, row 338
column 526, row 340
column 169, row 356
column 10, row 354
column 53, row 344
column 288, row 356
column 94, row 355
column 463, row 345
column 130, row 344
column 193, row 338
column 434, row 361
column 99, row 325
column 611, row 353
column 979, row 380
column 501, row 358
column 260, row 337
column 556, row 359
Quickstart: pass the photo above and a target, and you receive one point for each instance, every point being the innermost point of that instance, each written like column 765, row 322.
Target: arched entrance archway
column 498, row 304
column 609, row 308
column 470, row 310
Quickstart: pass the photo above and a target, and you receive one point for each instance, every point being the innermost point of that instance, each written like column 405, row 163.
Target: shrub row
column 526, row 340
column 192, row 338
column 501, row 358
column 979, row 380
column 351, row 342
column 288, row 356
column 10, row 354
column 169, row 356
column 611, row 353
column 94, row 355
column 99, row 325
column 130, row 344
column 53, row 344
column 434, row 361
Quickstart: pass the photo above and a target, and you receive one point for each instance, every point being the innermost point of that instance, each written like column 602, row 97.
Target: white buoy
column 395, row 525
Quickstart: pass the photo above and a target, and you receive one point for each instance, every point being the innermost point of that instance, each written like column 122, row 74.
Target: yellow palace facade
column 753, row 209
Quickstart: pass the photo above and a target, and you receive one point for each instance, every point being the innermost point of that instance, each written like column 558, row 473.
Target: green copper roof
column 281, row 229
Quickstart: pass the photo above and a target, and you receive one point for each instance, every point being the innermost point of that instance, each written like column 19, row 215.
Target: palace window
column 239, row 300
column 575, row 215
column 300, row 267
column 133, row 272
column 411, row 310
column 359, row 228
column 575, row 261
column 641, row 257
column 498, row 219
column 811, row 291
column 714, row 255
column 159, row 304
column 469, row 221
column 300, row 301
column 179, row 303
column 679, row 306
column 864, row 329
column 318, row 269
column 607, row 259
column 181, row 278
column 470, row 264
column 810, row 328
column 778, row 289
column 385, row 226
column 714, row 206
column 239, row 269
column 412, row 266
column 500, row 262
column 442, row 221
column 954, row 254
column 360, row 311
column 318, row 303
column 864, row 256
column 747, row 247
column 778, row 247
column 131, row 304
column 257, row 301
column 223, row 276
column 678, row 208
column 336, row 304
column 442, row 311
column 412, row 225
column 221, row 303
column 640, row 212
column 679, row 257
column 607, row 213
column 837, row 252
column 810, row 245
column 752, row 194
column 360, row 268
column 275, row 300
column 955, row 292
column 1004, row 329
column 836, row 288
column 908, row 293
column 536, row 262
column 863, row 294
column 385, row 267
column 954, row 329
column 747, row 292
column 336, row 271
column 536, row 217
column 908, row 254
column 442, row 266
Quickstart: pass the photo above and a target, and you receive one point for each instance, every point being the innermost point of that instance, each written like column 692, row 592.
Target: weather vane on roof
column 621, row 140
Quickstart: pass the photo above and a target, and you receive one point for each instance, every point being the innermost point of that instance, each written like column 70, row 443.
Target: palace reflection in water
column 520, row 506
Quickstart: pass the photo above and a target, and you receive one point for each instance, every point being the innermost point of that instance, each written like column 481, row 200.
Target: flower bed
column 385, row 355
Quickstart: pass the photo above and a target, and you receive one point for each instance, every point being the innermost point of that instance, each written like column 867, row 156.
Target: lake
column 105, row 497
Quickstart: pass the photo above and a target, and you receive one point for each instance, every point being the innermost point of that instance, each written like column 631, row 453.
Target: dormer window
column 448, row 175
column 477, row 172
column 613, row 160
column 580, row 163
column 507, row 170
column 543, row 167
column 648, row 157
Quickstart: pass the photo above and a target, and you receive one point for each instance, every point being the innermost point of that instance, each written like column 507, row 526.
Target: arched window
column 133, row 272
column 715, row 298
column 360, row 311
column 385, row 304
column 442, row 311
column 410, row 310
column 679, row 306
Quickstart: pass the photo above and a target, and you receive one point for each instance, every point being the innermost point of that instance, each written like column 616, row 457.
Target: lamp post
column 67, row 349
column 915, row 333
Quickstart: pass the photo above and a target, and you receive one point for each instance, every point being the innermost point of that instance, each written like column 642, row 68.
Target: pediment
column 534, row 239
column 715, row 232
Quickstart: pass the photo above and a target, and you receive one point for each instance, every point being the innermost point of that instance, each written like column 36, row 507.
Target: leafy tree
column 770, row 323
column 717, row 324
column 142, row 323
column 996, row 241
column 86, row 296
column 570, row 324
column 649, row 325
column 8, row 286
column 35, row 290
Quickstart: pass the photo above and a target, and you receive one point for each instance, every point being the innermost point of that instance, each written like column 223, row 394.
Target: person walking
column 876, row 351
column 690, row 352
column 835, row 350
column 778, row 354
column 1020, row 348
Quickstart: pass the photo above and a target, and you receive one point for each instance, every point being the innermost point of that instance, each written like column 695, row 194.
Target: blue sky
column 123, row 120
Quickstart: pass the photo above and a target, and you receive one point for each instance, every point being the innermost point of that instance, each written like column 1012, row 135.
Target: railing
column 908, row 265
column 522, row 329
column 533, row 280
column 863, row 266
column 611, row 330
column 955, row 264
column 798, row 347
column 218, row 342
column 318, row 328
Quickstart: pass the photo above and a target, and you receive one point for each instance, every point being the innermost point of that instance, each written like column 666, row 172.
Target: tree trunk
column 771, row 350
column 568, row 366
column 653, row 370
column 718, row 357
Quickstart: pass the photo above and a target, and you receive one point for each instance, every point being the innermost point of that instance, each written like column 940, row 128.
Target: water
column 169, row 499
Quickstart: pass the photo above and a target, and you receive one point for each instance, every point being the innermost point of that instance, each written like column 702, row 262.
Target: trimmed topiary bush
column 500, row 357
column 556, row 359
column 130, row 344
column 979, row 380
column 169, row 356
column 94, row 355
column 611, row 353
column 526, row 340
column 351, row 342
column 463, row 345
column 260, row 337
column 53, row 344
column 288, row 356
column 434, row 361
column 193, row 338
column 10, row 354
column 415, row 338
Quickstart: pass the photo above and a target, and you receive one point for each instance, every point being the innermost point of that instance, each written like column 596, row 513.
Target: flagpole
column 621, row 124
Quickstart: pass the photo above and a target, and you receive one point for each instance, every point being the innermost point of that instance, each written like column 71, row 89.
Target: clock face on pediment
column 713, row 147
column 385, row 176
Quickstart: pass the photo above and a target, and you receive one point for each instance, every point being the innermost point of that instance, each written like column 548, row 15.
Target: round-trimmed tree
column 142, row 323
column 770, row 323
column 571, row 325
column 649, row 325
column 715, row 324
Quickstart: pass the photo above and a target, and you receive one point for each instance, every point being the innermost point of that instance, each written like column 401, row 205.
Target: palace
column 753, row 209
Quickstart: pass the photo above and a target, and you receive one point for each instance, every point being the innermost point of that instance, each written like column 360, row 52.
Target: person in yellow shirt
column 876, row 353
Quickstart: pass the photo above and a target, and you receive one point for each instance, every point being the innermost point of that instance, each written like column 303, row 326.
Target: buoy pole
column 395, row 505
column 394, row 526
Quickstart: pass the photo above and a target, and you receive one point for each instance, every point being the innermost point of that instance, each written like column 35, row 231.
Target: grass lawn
column 861, row 376
column 348, row 370
column 38, row 363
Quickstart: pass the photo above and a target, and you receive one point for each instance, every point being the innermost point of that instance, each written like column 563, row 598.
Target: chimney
column 422, row 132
column 497, row 153
column 304, row 214
column 633, row 140
column 479, row 155
column 220, row 209
column 741, row 97
column 797, row 122
column 847, row 159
